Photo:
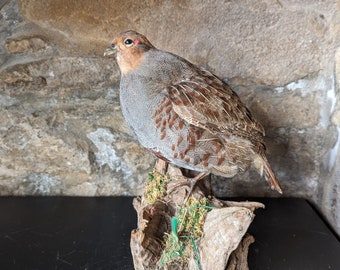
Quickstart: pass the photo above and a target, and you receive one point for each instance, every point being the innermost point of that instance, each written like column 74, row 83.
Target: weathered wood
column 238, row 259
column 220, row 246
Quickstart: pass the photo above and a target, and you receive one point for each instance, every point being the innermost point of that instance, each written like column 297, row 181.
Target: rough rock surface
column 62, row 132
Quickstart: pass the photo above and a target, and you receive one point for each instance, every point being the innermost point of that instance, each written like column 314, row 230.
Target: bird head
column 128, row 48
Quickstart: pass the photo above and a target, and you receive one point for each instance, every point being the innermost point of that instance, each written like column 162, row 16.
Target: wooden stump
column 199, row 232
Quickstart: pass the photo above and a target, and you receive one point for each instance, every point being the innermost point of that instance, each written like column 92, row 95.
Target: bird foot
column 178, row 180
column 189, row 182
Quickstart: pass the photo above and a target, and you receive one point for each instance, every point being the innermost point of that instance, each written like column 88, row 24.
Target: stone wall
column 62, row 132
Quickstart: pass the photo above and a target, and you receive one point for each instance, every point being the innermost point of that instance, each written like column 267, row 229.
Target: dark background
column 94, row 233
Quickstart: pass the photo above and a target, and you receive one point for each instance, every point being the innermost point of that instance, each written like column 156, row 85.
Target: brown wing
column 205, row 101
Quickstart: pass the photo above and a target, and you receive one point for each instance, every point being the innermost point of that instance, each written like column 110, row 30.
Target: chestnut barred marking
column 172, row 120
column 168, row 110
column 220, row 161
column 181, row 124
column 180, row 139
column 217, row 145
column 206, row 156
column 182, row 155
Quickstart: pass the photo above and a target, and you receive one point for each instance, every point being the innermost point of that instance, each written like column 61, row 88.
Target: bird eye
column 128, row 42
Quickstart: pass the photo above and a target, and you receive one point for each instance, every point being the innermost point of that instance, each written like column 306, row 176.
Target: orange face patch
column 129, row 59
column 130, row 54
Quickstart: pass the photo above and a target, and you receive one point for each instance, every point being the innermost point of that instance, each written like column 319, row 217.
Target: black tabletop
column 94, row 233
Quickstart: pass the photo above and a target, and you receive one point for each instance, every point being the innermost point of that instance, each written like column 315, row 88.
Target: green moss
column 191, row 217
column 186, row 228
column 175, row 249
column 155, row 187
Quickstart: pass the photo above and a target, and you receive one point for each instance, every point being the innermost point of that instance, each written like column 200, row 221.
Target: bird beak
column 110, row 50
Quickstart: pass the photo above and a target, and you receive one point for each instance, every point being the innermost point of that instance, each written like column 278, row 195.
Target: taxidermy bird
column 186, row 115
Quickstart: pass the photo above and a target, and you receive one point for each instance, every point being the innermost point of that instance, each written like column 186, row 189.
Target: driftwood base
column 200, row 232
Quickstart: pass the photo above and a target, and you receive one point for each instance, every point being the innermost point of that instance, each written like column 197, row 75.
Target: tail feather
column 270, row 176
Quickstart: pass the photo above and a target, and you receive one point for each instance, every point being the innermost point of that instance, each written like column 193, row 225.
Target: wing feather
column 205, row 101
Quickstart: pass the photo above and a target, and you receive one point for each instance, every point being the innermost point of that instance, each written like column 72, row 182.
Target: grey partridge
column 185, row 114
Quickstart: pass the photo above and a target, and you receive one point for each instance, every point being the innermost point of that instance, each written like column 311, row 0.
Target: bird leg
column 193, row 182
column 175, row 173
column 161, row 166
column 188, row 181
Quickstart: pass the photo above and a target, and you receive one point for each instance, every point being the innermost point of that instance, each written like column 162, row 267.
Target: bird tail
column 270, row 176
